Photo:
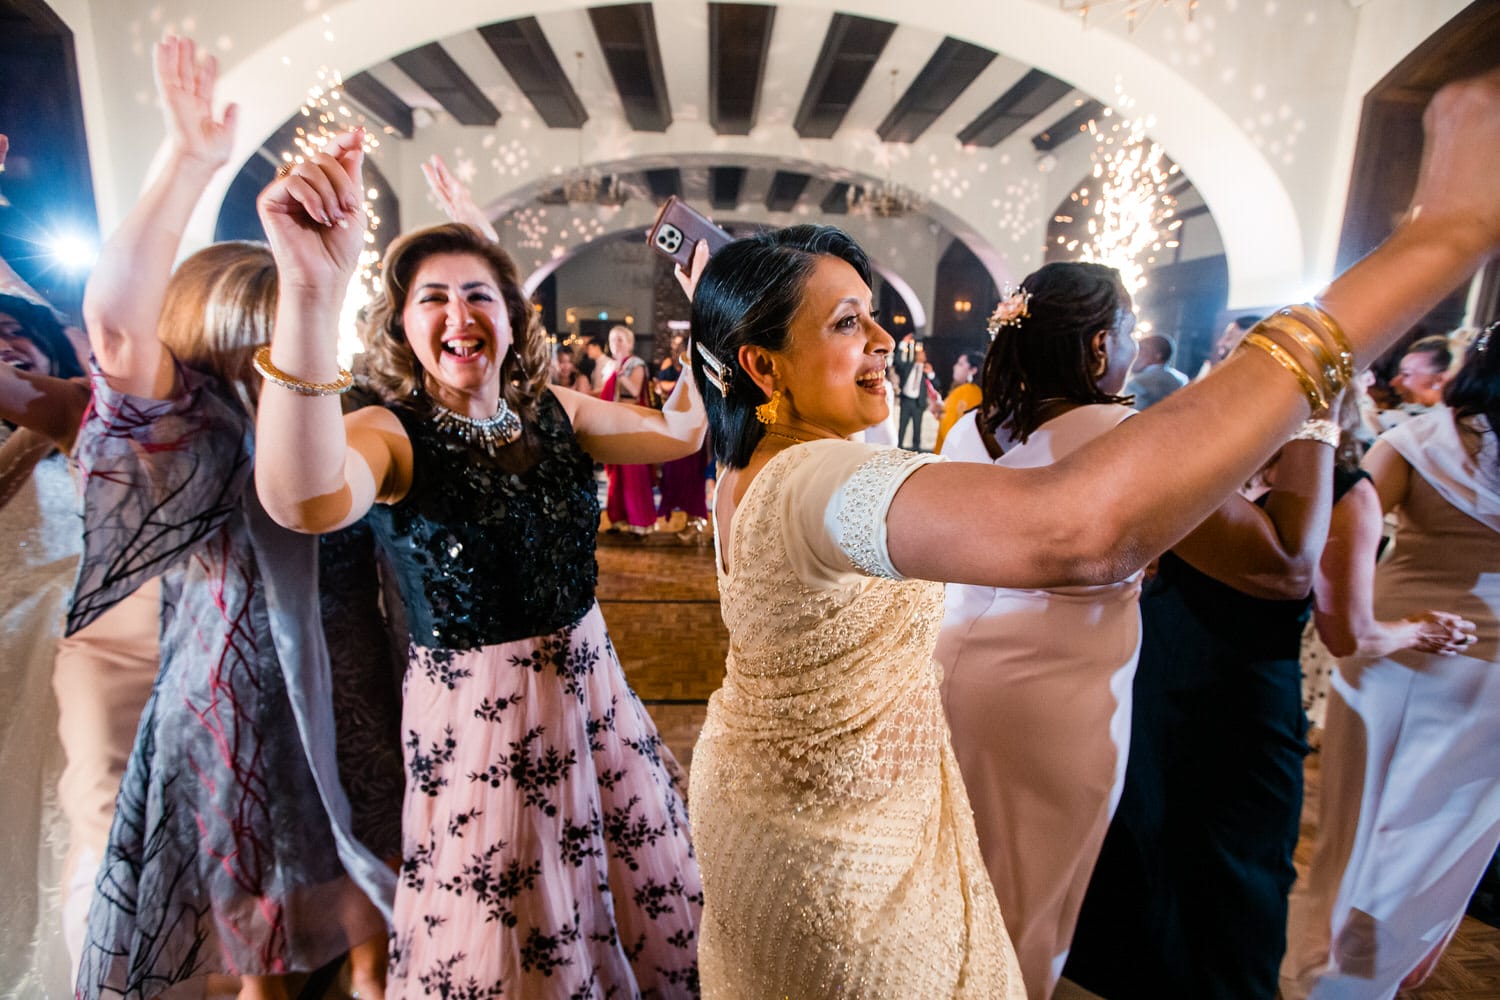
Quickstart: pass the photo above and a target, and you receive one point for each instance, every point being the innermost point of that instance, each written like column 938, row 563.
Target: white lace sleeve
column 835, row 500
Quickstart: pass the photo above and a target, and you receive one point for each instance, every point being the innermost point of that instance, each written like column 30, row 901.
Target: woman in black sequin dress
column 545, row 841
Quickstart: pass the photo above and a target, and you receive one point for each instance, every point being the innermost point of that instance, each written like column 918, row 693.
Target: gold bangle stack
column 274, row 375
column 1310, row 387
column 1324, row 341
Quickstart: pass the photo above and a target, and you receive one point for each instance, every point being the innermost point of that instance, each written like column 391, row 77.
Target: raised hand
column 455, row 197
column 314, row 216
column 1457, row 179
column 689, row 279
column 186, row 85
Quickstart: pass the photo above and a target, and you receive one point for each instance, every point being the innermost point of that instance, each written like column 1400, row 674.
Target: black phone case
column 679, row 228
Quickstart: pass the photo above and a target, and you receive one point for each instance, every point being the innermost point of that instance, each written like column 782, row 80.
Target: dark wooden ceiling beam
column 836, row 201
column 725, row 185
column 1028, row 97
column 1069, row 126
column 739, row 40
column 947, row 74
column 434, row 70
column 380, row 101
column 664, row 183
column 627, row 35
column 528, row 57
column 786, row 187
column 849, row 51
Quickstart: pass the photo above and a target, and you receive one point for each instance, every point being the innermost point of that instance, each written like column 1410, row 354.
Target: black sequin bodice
column 493, row 549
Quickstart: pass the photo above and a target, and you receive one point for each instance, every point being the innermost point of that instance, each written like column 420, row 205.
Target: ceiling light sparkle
column 1128, row 192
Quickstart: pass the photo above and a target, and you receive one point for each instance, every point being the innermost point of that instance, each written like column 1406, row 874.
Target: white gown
column 1036, row 686
column 1410, row 812
column 40, row 538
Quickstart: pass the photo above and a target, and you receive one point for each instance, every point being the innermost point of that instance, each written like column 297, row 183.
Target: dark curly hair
column 1047, row 355
column 40, row 326
column 747, row 296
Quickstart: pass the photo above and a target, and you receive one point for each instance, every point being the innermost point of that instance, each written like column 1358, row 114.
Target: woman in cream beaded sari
column 836, row 843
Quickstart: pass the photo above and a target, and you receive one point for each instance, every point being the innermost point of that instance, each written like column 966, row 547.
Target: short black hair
column 40, row 325
column 747, row 296
column 1161, row 345
column 975, row 360
column 1438, row 346
column 1046, row 354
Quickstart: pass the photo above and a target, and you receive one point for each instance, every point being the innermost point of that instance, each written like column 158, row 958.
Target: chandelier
column 887, row 199
column 1135, row 12
column 588, row 188
column 583, row 186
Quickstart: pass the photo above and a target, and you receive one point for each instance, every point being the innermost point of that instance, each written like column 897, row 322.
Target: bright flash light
column 72, row 252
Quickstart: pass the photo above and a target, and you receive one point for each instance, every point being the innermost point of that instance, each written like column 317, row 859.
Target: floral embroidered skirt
column 546, row 850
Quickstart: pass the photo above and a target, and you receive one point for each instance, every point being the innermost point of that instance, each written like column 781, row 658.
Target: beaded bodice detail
column 490, row 549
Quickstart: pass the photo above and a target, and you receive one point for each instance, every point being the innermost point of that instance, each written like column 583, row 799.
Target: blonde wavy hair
column 392, row 366
column 218, row 307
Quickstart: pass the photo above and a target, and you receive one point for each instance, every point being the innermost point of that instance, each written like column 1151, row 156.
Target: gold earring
column 766, row 412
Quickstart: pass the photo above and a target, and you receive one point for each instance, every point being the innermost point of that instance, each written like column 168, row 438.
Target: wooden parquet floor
column 660, row 600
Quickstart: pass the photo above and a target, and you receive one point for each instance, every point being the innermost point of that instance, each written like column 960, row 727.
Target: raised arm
column 1104, row 511
column 50, row 407
column 454, row 196
column 625, row 434
column 313, row 474
column 1344, row 591
column 1270, row 551
column 123, row 300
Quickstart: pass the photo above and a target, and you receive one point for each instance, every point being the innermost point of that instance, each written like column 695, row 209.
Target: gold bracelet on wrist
column 1308, row 339
column 1343, row 350
column 1319, row 430
column 1284, row 358
column 274, row 375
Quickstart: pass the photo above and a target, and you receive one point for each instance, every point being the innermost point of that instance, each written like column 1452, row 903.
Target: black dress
column 545, row 841
column 1189, row 896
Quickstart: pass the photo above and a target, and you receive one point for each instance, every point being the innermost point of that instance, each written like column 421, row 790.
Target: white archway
column 1262, row 235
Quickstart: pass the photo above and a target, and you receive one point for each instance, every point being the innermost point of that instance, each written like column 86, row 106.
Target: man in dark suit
column 913, row 385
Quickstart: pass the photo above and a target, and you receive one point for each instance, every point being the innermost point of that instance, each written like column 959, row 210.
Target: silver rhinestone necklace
column 490, row 433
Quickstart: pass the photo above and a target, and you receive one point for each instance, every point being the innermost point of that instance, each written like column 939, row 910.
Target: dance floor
column 660, row 600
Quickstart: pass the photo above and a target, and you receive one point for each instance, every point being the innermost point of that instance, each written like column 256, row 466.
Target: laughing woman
column 838, row 848
column 545, row 841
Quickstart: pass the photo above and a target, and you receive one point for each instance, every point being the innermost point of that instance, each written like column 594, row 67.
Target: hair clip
column 716, row 372
column 1482, row 342
column 1014, row 307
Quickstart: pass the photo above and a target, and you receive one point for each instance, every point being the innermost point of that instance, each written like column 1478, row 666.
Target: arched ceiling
column 954, row 78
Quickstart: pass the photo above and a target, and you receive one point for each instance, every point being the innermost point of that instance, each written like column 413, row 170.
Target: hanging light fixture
column 886, row 200
column 1135, row 12
column 586, row 187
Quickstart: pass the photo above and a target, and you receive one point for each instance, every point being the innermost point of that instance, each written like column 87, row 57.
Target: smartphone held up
column 679, row 229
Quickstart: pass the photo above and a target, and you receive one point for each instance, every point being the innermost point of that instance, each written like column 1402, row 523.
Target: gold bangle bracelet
column 274, row 375
column 1284, row 358
column 1343, row 351
column 1307, row 338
